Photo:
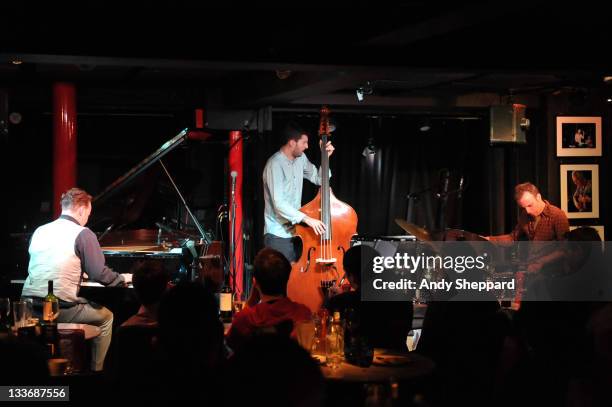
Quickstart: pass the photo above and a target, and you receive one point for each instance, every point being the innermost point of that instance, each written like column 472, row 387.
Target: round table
column 386, row 364
column 91, row 331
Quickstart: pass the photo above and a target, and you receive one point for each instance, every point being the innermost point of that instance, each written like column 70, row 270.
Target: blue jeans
column 99, row 316
column 285, row 245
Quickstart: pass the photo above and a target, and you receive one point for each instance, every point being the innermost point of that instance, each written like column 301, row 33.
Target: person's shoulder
column 276, row 157
column 274, row 161
column 556, row 211
column 245, row 313
column 302, row 311
column 298, row 307
column 88, row 234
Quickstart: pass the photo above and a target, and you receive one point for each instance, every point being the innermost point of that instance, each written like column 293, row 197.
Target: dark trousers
column 285, row 245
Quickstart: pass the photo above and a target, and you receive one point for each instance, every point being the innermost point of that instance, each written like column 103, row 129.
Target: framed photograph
column 580, row 190
column 578, row 136
column 598, row 228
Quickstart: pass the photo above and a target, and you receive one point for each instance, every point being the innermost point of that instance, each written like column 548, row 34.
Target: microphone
column 234, row 174
column 444, row 179
column 190, row 245
column 460, row 192
column 164, row 227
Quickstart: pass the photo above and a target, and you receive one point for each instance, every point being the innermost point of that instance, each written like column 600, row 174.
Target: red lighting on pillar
column 199, row 118
column 64, row 141
column 237, row 256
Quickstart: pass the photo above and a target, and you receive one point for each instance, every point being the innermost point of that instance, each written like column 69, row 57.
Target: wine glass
column 238, row 303
column 22, row 313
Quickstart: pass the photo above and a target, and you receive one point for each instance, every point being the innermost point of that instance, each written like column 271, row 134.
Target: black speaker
column 508, row 124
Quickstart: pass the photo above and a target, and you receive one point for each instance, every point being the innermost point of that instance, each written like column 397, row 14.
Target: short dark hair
column 271, row 270
column 520, row 189
column 583, row 234
column 75, row 198
column 150, row 281
column 293, row 131
column 357, row 257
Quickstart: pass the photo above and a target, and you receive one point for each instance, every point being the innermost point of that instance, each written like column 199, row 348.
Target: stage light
column 369, row 149
column 359, row 93
column 366, row 89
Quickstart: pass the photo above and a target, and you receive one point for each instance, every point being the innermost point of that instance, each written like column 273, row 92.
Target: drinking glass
column 305, row 333
column 22, row 312
column 238, row 303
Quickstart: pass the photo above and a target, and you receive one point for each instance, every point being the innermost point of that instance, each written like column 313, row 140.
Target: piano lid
column 124, row 200
column 125, row 179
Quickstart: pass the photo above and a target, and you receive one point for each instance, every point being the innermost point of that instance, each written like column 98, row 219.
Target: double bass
column 319, row 266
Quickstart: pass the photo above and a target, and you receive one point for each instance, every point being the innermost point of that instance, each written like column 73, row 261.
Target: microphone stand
column 442, row 197
column 233, row 241
column 413, row 196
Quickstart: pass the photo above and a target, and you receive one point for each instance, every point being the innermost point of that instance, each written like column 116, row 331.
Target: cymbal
column 418, row 232
column 462, row 235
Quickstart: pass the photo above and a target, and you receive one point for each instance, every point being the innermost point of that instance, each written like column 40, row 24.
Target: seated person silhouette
column 150, row 281
column 273, row 370
column 135, row 342
column 386, row 323
column 190, row 345
column 275, row 313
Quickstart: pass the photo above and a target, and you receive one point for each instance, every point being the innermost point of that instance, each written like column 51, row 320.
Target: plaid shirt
column 551, row 225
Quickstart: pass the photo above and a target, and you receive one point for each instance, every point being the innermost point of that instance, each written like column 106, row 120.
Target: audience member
column 275, row 312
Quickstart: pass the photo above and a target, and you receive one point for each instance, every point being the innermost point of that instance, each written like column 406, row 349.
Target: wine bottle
column 225, row 302
column 50, row 304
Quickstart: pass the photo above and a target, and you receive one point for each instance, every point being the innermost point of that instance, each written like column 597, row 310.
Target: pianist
column 62, row 251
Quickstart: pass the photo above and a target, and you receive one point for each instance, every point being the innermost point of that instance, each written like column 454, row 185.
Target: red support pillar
column 64, row 141
column 236, row 257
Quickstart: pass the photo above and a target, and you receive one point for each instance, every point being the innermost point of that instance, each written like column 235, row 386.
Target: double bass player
column 282, row 182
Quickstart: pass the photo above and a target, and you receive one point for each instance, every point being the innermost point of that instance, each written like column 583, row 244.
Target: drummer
column 539, row 220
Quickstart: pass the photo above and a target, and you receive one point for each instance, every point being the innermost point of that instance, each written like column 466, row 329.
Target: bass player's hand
column 315, row 224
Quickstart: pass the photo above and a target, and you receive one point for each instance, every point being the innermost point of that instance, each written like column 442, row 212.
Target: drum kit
column 432, row 239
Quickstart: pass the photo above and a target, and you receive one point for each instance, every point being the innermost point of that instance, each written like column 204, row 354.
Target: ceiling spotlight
column 16, row 61
column 607, row 79
column 369, row 149
column 425, row 125
column 283, row 73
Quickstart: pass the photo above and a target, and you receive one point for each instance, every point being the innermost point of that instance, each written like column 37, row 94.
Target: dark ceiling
column 414, row 54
